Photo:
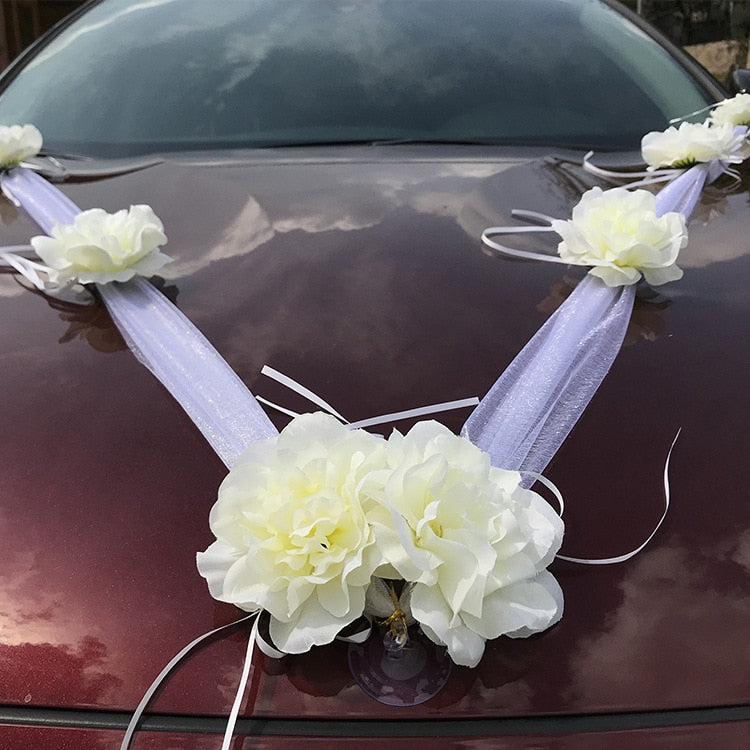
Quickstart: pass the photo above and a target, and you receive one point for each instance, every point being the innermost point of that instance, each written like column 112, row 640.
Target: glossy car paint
column 359, row 272
column 378, row 297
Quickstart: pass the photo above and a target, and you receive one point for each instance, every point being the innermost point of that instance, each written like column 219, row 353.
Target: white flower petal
column 482, row 533
column 522, row 608
column 213, row 565
column 618, row 233
column 291, row 521
column 17, row 143
column 735, row 111
column 100, row 247
column 311, row 626
column 693, row 143
column 465, row 646
column 549, row 582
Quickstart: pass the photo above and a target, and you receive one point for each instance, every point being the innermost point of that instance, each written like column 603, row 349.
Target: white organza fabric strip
column 521, row 422
column 162, row 338
column 531, row 408
column 682, row 193
column 180, row 356
column 43, row 202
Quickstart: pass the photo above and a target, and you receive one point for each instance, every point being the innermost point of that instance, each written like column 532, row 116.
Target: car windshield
column 137, row 77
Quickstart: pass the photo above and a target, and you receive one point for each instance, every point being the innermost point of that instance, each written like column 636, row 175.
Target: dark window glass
column 137, row 76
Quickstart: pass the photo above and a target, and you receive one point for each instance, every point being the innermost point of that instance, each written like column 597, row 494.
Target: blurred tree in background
column 688, row 22
column 22, row 21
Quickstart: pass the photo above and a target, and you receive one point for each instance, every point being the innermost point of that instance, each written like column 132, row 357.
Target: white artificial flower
column 618, row 232
column 18, row 142
column 734, row 111
column 693, row 143
column 100, row 247
column 291, row 533
column 474, row 544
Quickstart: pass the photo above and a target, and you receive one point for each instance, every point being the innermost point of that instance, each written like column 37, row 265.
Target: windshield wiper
column 427, row 140
column 438, row 142
column 50, row 164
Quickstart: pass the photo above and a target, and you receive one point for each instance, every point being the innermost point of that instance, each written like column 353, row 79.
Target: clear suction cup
column 399, row 669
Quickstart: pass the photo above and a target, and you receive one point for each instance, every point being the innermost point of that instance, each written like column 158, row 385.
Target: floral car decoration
column 306, row 520
column 100, row 247
column 18, row 143
column 620, row 235
column 317, row 524
column 693, row 143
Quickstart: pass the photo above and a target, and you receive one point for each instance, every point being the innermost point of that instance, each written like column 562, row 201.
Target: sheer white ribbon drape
column 531, row 408
column 161, row 337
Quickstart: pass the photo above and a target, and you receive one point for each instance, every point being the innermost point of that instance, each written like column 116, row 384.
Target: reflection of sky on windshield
column 304, row 25
column 91, row 23
column 332, row 71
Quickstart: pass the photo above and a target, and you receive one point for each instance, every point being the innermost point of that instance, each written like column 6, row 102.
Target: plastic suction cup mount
column 399, row 673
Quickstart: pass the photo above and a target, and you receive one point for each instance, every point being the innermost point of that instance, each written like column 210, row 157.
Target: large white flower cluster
column 734, row 111
column 306, row 521
column 619, row 234
column 100, row 247
column 18, row 142
column 473, row 542
column 694, row 143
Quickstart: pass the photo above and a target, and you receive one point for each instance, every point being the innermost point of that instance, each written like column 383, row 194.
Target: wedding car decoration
column 693, row 153
column 99, row 247
column 619, row 234
column 321, row 524
column 694, row 143
column 539, row 397
column 18, row 143
column 735, row 111
column 304, row 522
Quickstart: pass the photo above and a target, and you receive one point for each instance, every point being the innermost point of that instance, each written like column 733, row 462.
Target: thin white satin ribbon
column 20, row 259
column 700, row 111
column 651, row 177
column 515, row 252
column 648, row 177
column 628, row 555
column 241, row 687
column 634, row 552
column 174, row 661
column 255, row 639
column 161, row 337
column 300, row 389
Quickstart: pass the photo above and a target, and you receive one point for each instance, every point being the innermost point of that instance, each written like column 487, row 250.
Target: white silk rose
column 291, row 533
column 18, row 142
column 100, row 247
column 734, row 111
column 693, row 143
column 618, row 233
column 474, row 544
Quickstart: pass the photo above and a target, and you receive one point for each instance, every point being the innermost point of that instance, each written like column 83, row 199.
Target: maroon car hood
column 360, row 273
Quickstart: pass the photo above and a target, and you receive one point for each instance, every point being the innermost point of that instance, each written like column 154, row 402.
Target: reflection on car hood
column 360, row 273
